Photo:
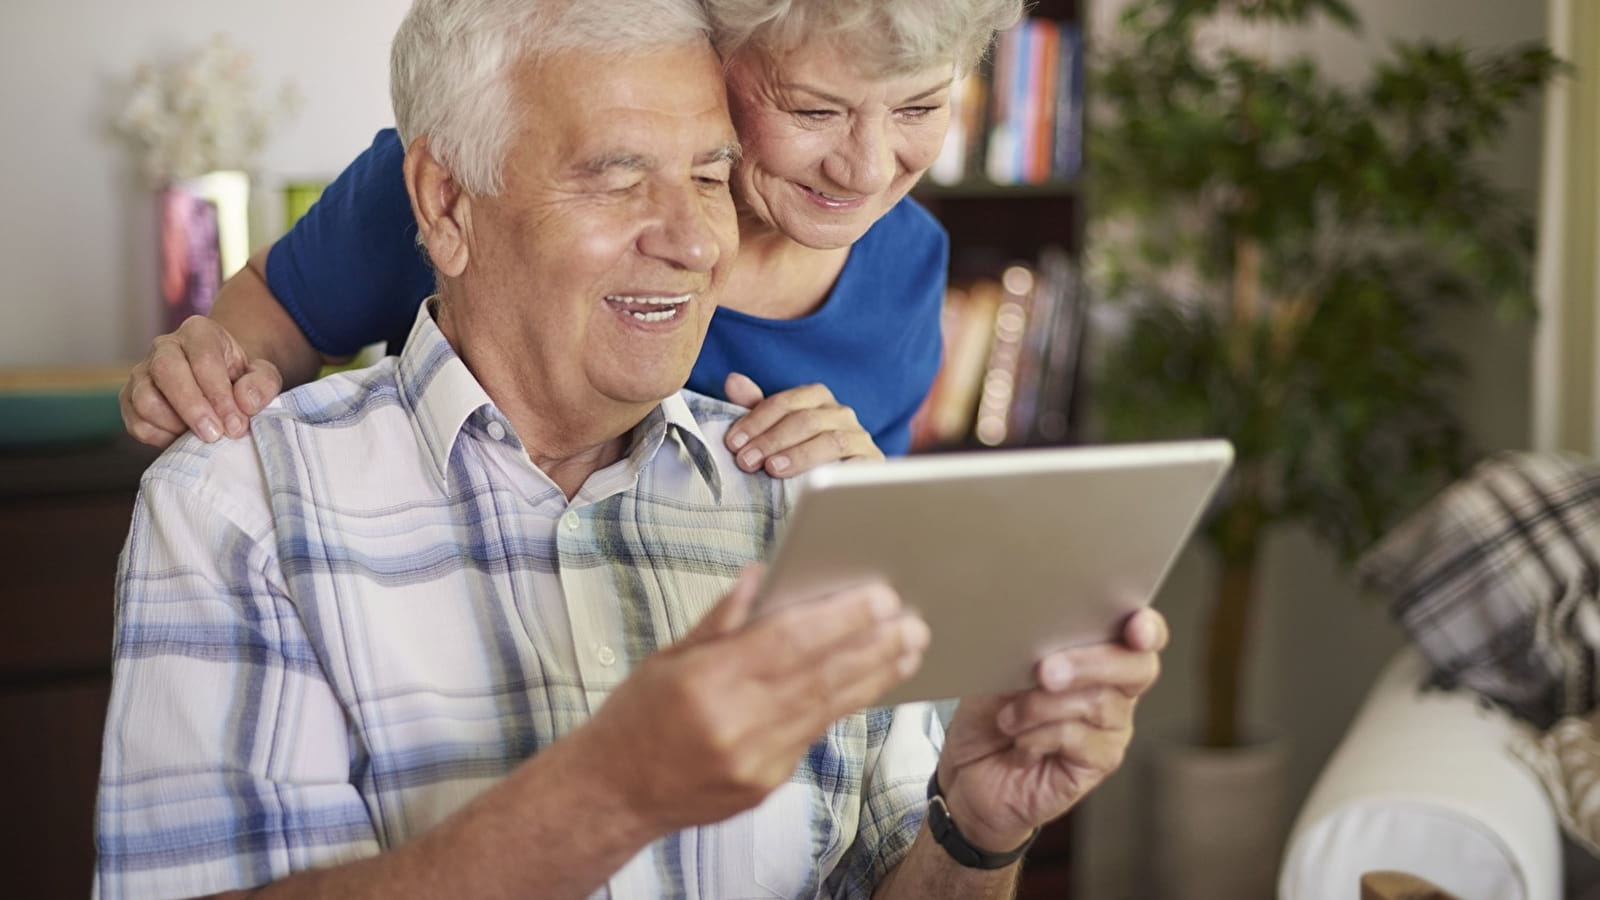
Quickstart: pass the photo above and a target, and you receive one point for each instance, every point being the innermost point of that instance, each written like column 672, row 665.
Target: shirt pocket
column 772, row 851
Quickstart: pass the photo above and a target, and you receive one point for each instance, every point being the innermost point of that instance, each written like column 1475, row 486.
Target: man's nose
column 864, row 162
column 684, row 233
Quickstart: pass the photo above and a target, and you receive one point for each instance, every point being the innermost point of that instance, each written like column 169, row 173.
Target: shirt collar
column 443, row 396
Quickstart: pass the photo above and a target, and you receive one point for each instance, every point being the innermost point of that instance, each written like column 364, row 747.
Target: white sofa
column 1424, row 783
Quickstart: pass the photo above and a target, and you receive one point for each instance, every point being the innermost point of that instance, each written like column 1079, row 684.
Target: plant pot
column 1217, row 819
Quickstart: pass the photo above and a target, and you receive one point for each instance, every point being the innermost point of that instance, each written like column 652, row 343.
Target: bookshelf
column 1008, row 188
column 1031, row 224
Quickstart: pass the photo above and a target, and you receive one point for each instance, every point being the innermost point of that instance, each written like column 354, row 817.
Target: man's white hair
column 452, row 61
column 888, row 37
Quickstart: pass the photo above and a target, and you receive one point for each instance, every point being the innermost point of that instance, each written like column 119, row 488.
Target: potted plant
column 1273, row 247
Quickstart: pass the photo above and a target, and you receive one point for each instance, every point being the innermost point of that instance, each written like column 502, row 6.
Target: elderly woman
column 832, row 306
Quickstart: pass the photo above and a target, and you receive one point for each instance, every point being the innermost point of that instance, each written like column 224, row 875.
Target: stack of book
column 1019, row 120
column 1010, row 359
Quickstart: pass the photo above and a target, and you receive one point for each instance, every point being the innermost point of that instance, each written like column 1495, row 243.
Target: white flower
column 201, row 113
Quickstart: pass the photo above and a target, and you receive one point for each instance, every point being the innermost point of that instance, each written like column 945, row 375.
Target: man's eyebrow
column 826, row 97
column 637, row 162
column 730, row 153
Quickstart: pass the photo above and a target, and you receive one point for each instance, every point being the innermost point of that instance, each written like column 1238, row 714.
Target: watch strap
column 963, row 851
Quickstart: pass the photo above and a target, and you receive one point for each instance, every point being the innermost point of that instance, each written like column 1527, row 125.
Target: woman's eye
column 918, row 112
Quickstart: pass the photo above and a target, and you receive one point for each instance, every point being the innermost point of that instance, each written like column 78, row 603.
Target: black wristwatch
column 956, row 844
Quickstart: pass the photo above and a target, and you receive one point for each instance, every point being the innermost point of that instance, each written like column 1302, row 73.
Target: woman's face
column 827, row 150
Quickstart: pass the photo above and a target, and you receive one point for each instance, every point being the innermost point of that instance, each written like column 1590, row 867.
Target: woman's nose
column 864, row 163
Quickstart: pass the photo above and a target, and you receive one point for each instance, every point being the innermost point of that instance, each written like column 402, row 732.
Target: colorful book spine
column 1068, row 141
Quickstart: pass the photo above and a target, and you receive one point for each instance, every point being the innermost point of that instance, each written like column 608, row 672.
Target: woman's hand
column 196, row 379
column 794, row 431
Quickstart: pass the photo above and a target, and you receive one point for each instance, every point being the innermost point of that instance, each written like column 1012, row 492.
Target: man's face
column 591, row 273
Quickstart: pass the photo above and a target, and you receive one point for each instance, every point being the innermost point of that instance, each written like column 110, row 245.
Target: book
column 946, row 416
column 1067, row 142
column 1051, row 422
column 992, row 425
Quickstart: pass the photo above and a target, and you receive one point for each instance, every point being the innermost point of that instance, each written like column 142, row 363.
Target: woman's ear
column 442, row 209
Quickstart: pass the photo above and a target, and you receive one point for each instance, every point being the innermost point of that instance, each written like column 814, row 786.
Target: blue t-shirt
column 350, row 274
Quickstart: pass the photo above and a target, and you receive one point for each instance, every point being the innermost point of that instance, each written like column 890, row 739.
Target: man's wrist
column 973, row 854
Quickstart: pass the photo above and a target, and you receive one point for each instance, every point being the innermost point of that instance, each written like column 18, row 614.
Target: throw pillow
column 1497, row 581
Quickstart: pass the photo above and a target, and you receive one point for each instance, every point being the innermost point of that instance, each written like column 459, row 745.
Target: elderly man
column 471, row 622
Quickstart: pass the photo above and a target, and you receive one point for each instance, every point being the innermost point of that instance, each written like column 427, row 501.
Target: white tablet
column 1008, row 554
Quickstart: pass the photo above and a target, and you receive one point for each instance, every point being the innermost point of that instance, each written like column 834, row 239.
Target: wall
column 76, row 227
column 1320, row 642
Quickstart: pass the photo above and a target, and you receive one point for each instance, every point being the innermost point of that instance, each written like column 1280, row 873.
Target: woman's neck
column 776, row 277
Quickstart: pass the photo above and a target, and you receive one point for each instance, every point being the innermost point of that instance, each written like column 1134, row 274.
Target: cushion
column 1496, row 581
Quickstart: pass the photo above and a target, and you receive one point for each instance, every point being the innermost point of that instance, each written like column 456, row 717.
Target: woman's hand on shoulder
column 198, row 379
column 794, row 431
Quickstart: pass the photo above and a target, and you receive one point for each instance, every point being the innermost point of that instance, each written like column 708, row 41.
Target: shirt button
column 570, row 520
column 606, row 655
column 497, row 431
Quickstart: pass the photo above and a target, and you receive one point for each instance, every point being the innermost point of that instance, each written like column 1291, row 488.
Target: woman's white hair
column 451, row 63
column 889, row 37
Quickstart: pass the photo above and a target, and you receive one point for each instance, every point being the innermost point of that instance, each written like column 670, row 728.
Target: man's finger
column 1146, row 630
column 1097, row 707
column 1107, row 664
column 802, row 634
column 853, row 676
column 1077, row 744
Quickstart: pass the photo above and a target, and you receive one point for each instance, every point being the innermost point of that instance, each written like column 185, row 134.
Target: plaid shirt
column 331, row 637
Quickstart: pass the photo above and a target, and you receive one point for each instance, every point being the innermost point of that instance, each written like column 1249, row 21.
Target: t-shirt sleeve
column 903, row 745
column 226, row 763
column 349, row 272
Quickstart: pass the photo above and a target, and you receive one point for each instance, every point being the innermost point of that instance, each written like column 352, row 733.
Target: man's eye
column 814, row 115
column 918, row 112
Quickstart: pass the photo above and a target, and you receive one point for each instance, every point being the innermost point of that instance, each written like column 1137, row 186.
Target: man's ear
column 442, row 209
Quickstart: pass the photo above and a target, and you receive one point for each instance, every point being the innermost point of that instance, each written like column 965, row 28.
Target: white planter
column 1217, row 820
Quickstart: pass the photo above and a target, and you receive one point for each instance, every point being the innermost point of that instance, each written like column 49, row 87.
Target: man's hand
column 708, row 727
column 1014, row 762
column 197, row 378
column 794, row 431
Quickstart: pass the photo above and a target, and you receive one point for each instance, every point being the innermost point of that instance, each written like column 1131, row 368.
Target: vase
column 1217, row 819
column 204, row 239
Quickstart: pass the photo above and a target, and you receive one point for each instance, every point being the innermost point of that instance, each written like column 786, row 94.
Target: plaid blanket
column 1496, row 580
